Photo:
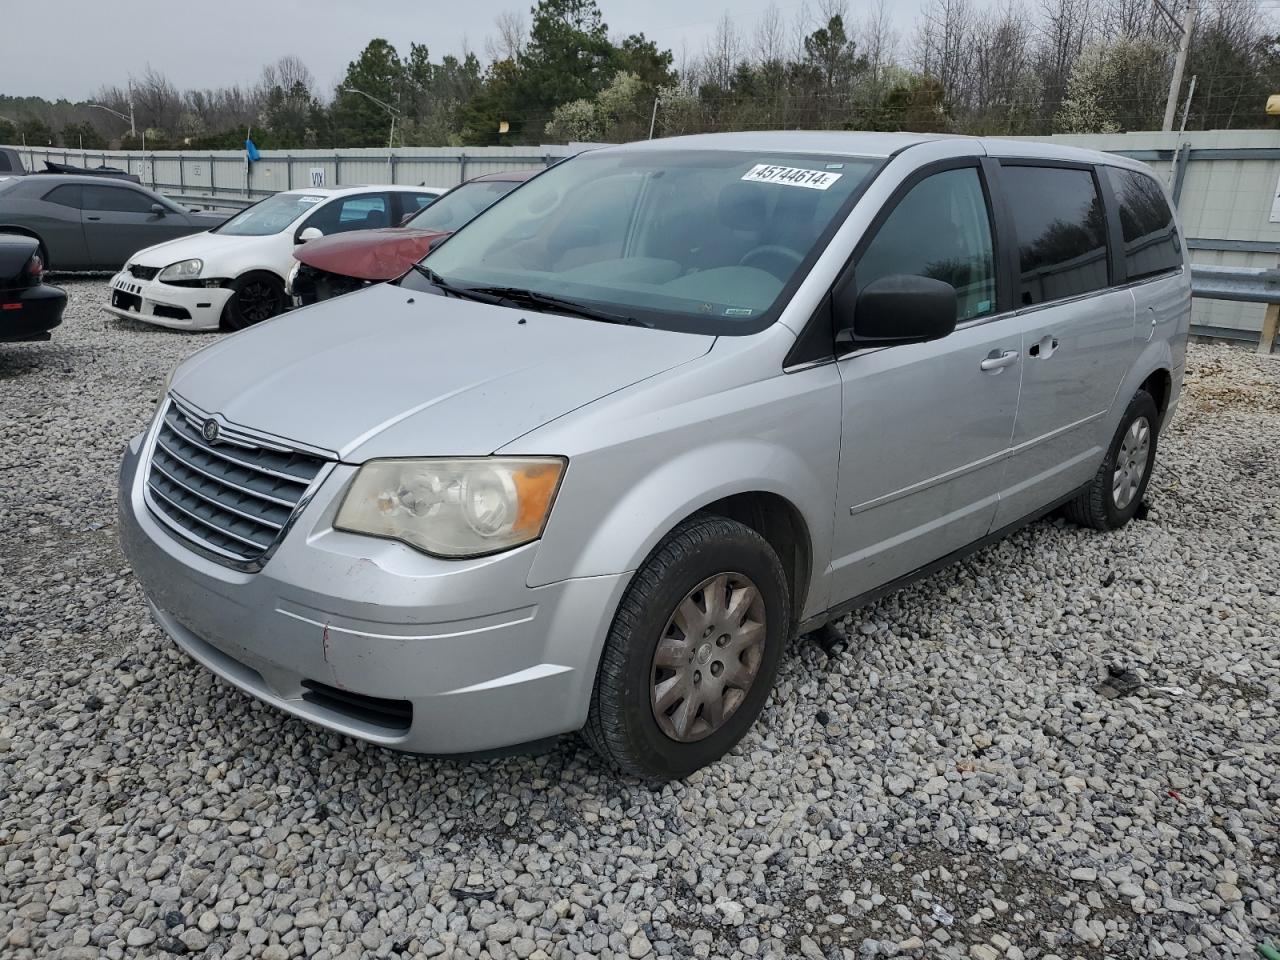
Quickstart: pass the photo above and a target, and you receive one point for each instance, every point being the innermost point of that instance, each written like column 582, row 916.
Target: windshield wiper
column 545, row 301
column 467, row 292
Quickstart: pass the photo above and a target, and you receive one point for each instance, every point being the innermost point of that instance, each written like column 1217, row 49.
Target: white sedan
column 234, row 275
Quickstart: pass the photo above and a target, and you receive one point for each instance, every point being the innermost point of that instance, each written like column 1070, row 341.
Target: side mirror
column 158, row 209
column 897, row 309
column 311, row 233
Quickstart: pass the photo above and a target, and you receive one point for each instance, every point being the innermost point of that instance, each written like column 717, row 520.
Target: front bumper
column 182, row 308
column 336, row 627
column 31, row 312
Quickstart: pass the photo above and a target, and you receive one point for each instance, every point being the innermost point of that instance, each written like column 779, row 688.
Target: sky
column 92, row 43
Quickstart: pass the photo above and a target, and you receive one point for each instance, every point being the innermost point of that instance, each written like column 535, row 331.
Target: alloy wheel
column 1131, row 463
column 257, row 301
column 707, row 657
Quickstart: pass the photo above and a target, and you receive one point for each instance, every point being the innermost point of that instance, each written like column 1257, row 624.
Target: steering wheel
column 775, row 259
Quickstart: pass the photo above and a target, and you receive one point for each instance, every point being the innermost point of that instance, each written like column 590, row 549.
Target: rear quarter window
column 1148, row 231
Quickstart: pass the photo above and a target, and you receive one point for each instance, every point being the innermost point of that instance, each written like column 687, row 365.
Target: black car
column 29, row 308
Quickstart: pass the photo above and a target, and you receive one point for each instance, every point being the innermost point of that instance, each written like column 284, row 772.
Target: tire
column 1098, row 507
column 255, row 297
column 626, row 725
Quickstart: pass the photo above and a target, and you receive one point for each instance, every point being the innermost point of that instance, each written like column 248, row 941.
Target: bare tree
column 509, row 41
column 878, row 41
column 769, row 43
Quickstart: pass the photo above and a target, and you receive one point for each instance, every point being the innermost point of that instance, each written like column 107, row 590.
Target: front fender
column 779, row 436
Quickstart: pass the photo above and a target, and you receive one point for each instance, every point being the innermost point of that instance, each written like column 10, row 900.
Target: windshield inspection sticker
column 309, row 199
column 791, row 176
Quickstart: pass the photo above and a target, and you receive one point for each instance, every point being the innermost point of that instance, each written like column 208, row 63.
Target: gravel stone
column 953, row 785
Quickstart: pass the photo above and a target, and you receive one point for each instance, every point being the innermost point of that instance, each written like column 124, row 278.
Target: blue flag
column 250, row 150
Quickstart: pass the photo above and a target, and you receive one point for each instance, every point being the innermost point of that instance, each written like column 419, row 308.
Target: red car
column 331, row 266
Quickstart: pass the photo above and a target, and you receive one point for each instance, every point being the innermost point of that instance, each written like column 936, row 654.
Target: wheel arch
column 786, row 505
column 1159, row 383
column 779, row 521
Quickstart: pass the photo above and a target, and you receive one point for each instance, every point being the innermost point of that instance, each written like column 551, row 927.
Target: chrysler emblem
column 210, row 430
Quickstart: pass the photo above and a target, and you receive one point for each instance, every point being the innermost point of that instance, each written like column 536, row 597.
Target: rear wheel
column 1121, row 481
column 254, row 297
column 692, row 653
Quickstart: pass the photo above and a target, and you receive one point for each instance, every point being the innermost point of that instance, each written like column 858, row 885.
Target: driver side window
column 941, row 230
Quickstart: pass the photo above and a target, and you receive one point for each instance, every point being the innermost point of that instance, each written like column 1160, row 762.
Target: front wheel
column 255, row 297
column 692, row 653
column 1121, row 481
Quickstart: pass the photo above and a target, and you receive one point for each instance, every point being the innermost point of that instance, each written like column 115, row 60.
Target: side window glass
column 361, row 212
column 941, row 230
column 117, row 199
column 413, row 202
column 68, row 195
column 1061, row 230
column 1146, row 225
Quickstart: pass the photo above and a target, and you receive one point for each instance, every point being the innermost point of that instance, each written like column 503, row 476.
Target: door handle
column 996, row 361
column 1044, row 347
column 93, row 218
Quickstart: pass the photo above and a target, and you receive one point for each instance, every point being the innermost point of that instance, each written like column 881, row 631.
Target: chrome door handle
column 998, row 361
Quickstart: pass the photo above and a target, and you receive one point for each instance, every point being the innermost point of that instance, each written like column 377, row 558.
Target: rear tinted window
column 1061, row 232
column 117, row 199
column 1146, row 224
column 68, row 195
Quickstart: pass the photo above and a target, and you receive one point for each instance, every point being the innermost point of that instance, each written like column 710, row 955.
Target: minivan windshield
column 704, row 241
column 270, row 215
column 461, row 204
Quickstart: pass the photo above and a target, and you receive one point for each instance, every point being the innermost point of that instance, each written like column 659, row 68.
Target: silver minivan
column 593, row 462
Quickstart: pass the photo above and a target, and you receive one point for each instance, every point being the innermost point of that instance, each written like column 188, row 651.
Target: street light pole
column 1179, row 65
column 385, row 106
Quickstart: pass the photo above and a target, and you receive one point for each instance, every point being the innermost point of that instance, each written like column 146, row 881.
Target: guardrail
column 1242, row 285
column 206, row 202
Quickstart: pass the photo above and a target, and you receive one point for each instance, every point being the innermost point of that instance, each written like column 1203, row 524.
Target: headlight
column 453, row 508
column 293, row 275
column 182, row 270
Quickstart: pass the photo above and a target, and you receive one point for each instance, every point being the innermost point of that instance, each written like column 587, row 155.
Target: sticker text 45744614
column 791, row 176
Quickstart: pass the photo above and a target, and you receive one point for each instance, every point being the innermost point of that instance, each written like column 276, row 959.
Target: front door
column 926, row 427
column 118, row 222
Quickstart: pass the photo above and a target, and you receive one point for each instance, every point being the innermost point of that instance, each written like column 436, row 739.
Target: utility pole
column 1179, row 65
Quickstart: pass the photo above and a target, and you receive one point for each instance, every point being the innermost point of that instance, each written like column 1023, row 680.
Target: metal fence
column 1226, row 184
column 226, row 175
column 1242, row 285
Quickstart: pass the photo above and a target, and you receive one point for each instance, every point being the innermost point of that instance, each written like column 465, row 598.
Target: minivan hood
column 388, row 372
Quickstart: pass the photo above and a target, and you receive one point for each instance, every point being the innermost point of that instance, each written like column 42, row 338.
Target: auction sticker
column 791, row 176
column 310, row 199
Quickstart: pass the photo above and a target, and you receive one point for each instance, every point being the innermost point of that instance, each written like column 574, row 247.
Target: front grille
column 126, row 301
column 232, row 497
column 396, row 715
column 143, row 273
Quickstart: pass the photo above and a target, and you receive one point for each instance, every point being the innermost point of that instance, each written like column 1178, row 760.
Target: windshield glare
column 461, row 204
column 703, row 241
column 271, row 215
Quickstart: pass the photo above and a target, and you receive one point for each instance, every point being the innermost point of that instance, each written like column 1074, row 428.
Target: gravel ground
column 957, row 784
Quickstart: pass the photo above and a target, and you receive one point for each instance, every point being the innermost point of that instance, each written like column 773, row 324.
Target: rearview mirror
column 311, row 233
column 158, row 209
column 900, row 308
